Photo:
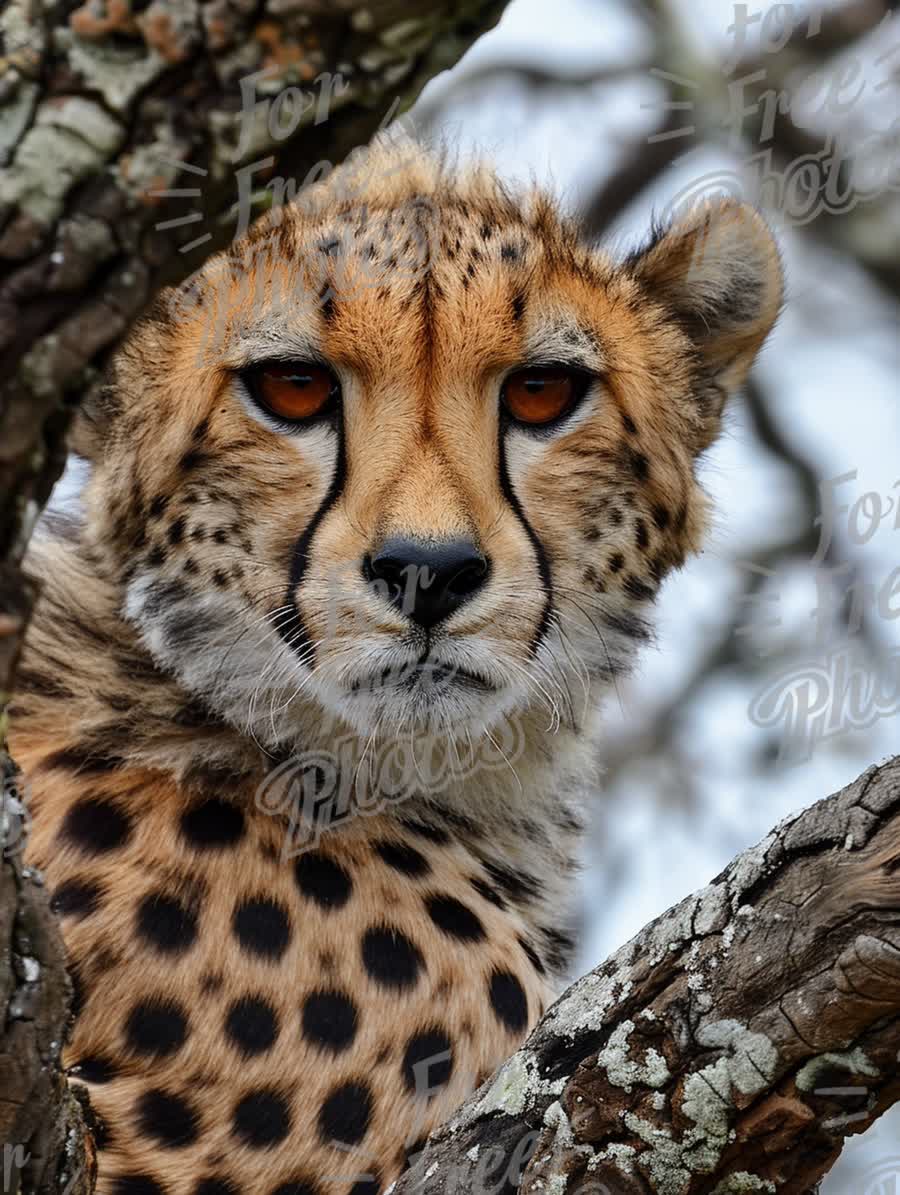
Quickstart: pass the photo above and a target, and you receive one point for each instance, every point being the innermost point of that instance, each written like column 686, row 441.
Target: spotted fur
column 253, row 1016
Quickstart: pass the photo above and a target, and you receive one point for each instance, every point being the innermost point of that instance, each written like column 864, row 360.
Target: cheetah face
column 417, row 457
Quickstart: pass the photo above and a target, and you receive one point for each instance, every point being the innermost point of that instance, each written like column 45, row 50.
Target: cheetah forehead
column 405, row 230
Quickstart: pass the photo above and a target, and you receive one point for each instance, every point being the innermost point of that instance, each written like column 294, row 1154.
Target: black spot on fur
column 212, row 825
column 616, row 562
column 262, row 928
column 641, row 534
column 427, row 1063
column 366, row 1186
column 346, row 1113
column 402, row 857
column 156, row 1027
column 591, row 578
column 518, row 306
column 192, row 459
column 391, row 959
column 488, row 892
column 166, row 924
column 329, row 1020
column 169, row 1119
column 262, row 1118
column 427, row 831
column 630, row 425
column 532, row 955
column 176, row 530
column 251, row 1025
column 214, row 1185
column 93, row 1070
column 96, row 826
column 508, row 1000
column 322, row 880
column 640, row 466
column 454, row 918
column 518, row 887
column 658, row 568
column 560, row 948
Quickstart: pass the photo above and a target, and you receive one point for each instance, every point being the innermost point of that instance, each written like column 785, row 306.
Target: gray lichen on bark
column 730, row 1047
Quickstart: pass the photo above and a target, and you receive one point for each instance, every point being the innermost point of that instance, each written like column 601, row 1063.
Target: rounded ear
column 718, row 270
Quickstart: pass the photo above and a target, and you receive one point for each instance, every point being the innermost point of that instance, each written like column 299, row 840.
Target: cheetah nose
column 427, row 581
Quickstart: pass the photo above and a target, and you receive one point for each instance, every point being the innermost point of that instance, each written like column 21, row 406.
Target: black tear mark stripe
column 540, row 555
column 292, row 629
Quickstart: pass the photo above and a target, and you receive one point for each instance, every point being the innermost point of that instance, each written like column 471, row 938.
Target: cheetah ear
column 718, row 270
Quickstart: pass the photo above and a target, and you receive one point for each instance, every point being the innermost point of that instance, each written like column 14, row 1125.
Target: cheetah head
column 414, row 456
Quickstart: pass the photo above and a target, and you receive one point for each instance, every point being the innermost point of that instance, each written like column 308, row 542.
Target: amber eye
column 541, row 394
column 296, row 391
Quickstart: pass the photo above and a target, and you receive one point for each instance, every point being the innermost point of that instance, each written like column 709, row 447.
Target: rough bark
column 43, row 1145
column 124, row 148
column 730, row 1047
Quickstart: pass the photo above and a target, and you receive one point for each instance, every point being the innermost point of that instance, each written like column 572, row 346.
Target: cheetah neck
column 90, row 690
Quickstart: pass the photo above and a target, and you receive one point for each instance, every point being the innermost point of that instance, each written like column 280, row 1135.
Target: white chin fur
column 253, row 679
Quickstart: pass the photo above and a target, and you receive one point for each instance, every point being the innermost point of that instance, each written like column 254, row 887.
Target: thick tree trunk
column 135, row 140
column 729, row 1048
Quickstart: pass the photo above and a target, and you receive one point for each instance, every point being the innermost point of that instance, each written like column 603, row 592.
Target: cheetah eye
column 293, row 391
column 542, row 394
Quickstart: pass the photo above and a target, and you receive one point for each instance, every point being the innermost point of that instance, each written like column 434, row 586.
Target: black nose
column 427, row 581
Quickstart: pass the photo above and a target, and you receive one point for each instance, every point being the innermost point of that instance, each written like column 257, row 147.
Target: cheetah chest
column 250, row 1023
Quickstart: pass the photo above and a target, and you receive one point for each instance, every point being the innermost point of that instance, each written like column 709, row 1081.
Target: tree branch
column 730, row 1047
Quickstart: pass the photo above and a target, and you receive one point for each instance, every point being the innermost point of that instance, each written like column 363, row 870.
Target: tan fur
column 177, row 663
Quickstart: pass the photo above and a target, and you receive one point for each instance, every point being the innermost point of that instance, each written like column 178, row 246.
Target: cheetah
column 379, row 502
